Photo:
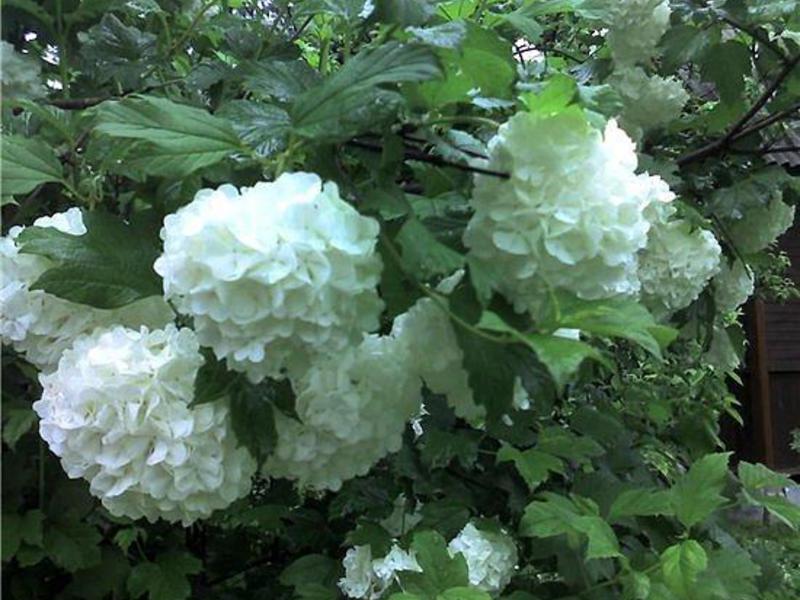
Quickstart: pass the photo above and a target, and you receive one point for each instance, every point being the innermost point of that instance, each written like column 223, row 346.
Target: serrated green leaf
column 464, row 593
column 103, row 580
column 534, row 466
column 263, row 127
column 109, row 266
column 282, row 80
column 253, row 421
column 565, row 444
column 26, row 164
column 181, row 139
column 325, row 111
column 72, row 545
column 368, row 533
column 442, row 447
column 602, row 541
column 681, row 565
column 440, row 571
column 640, row 502
column 18, row 422
column 698, row 493
column 757, row 477
column 726, row 65
column 423, row 254
column 164, row 579
column 311, row 568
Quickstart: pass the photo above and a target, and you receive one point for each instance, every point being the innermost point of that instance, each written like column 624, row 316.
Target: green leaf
column 640, row 502
column 34, row 9
column 106, row 579
column 114, row 50
column 21, row 529
column 311, row 568
column 562, row 442
column 324, row 110
column 615, row 317
column 682, row 44
column 72, row 545
column 534, row 466
column 562, row 357
column 263, row 127
column 282, row 80
column 602, row 539
column 780, row 507
column 442, row 447
column 179, row 139
column 214, row 381
column 464, row 593
column 164, row 579
column 447, row 516
column 405, row 12
column 440, row 571
column 726, row 65
column 486, row 60
column 253, row 420
column 373, row 535
column 698, row 493
column 558, row 93
column 26, row 164
column 757, row 477
column 18, row 422
column 682, row 564
column 423, row 254
column 109, row 266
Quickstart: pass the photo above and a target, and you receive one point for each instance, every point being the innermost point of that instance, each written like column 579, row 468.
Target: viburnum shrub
column 390, row 299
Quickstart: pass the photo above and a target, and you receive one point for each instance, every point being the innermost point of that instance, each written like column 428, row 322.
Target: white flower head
column 21, row 74
column 274, row 273
column 677, row 264
column 352, row 407
column 635, row 27
column 733, row 285
column 116, row 411
column 41, row 326
column 571, row 216
column 649, row 101
column 761, row 224
column 491, row 557
column 368, row 578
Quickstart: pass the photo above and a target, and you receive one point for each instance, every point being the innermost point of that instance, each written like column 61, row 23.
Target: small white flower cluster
column 761, row 224
column 572, row 215
column 676, row 265
column 635, row 27
column 733, row 285
column 273, row 274
column 649, row 102
column 491, row 557
column 41, row 326
column 438, row 358
column 353, row 407
column 21, row 74
column 368, row 578
column 117, row 411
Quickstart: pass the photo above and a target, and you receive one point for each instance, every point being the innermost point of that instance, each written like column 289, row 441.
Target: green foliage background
column 615, row 483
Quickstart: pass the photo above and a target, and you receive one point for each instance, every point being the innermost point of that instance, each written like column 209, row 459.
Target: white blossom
column 733, row 285
column 436, row 356
column 116, row 411
column 21, row 74
column 491, row 557
column 368, row 578
column 352, row 407
column 40, row 326
column 572, row 214
column 677, row 264
column 761, row 224
column 649, row 101
column 635, row 27
column 274, row 273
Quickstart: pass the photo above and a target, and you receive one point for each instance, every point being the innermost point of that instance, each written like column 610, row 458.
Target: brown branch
column 78, row 103
column 739, row 129
column 753, row 33
column 418, row 155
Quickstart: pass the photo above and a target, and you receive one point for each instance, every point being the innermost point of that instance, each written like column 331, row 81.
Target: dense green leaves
column 26, row 164
column 334, row 109
column 111, row 265
column 178, row 139
column 165, row 578
column 440, row 571
column 698, row 493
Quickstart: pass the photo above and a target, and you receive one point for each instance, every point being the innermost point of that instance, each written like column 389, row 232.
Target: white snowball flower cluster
column 676, row 265
column 274, row 273
column 733, row 285
column 649, row 101
column 572, row 214
column 761, row 225
column 21, row 74
column 491, row 557
column 368, row 578
column 437, row 357
column 635, row 27
column 41, row 326
column 353, row 407
column 117, row 413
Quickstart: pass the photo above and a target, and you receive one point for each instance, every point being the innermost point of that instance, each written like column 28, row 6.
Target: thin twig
column 300, row 29
column 412, row 153
column 740, row 129
column 753, row 33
